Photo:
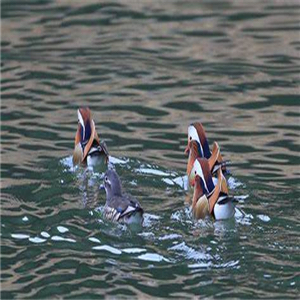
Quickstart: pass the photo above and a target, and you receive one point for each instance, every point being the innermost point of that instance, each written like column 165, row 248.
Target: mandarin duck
column 210, row 198
column 120, row 207
column 213, row 160
column 196, row 133
column 88, row 150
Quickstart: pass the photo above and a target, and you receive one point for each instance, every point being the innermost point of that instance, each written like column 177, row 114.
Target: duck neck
column 198, row 192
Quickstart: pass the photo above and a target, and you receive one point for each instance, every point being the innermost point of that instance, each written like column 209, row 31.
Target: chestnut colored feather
column 80, row 155
column 193, row 154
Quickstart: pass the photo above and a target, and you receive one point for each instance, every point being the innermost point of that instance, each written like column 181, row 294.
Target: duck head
column 111, row 184
column 201, row 169
column 196, row 133
column 85, row 135
column 200, row 203
column 198, row 190
column 85, row 123
column 194, row 152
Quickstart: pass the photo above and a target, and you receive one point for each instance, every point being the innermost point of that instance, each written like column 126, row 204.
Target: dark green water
column 147, row 69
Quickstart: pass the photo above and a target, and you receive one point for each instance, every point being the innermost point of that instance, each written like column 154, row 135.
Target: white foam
column 45, row 234
column 153, row 172
column 37, row 240
column 233, row 183
column 153, row 257
column 108, row 248
column 168, row 181
column 182, row 181
column 20, row 236
column 264, row 218
column 189, row 252
column 133, row 250
column 94, row 240
column 115, row 160
column 62, row 229
column 171, row 236
column 62, row 239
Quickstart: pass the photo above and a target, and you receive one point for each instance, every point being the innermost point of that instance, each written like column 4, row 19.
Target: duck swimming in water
column 196, row 133
column 194, row 153
column 210, row 198
column 120, row 207
column 198, row 147
column 88, row 150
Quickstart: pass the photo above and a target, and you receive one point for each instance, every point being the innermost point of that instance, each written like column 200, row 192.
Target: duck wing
column 121, row 207
column 224, row 199
column 98, row 148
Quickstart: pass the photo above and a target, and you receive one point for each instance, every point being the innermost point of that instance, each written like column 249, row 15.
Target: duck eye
column 106, row 179
column 190, row 138
column 195, row 172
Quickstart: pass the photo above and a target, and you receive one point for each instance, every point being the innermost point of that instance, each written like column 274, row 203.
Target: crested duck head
column 85, row 123
column 194, row 152
column 200, row 203
column 201, row 168
column 196, row 133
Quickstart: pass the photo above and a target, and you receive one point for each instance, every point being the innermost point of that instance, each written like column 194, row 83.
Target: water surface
column 147, row 70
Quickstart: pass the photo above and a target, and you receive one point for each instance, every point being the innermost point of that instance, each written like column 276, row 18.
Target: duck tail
column 222, row 165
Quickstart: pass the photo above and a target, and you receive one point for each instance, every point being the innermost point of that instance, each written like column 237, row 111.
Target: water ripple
column 147, row 70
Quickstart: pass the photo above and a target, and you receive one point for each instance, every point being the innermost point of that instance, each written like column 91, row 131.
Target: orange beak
column 192, row 181
column 196, row 178
column 187, row 149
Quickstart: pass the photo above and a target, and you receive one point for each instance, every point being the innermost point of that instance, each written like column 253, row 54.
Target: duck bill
column 192, row 182
column 192, row 179
column 197, row 190
column 187, row 150
column 192, row 176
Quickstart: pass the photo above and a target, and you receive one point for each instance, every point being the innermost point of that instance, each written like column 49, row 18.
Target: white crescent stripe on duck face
column 192, row 133
column 80, row 119
column 192, row 174
column 199, row 171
